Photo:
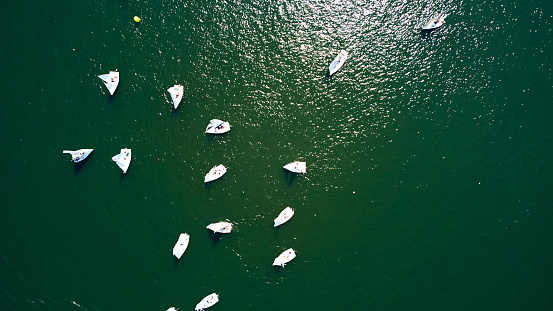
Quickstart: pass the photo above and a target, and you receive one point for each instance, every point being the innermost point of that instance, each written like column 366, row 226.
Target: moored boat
column 123, row 159
column 338, row 62
column 296, row 167
column 78, row 155
column 220, row 227
column 216, row 126
column 181, row 245
column 435, row 22
column 111, row 80
column 216, row 172
column 176, row 92
column 284, row 216
column 207, row 302
column 285, row 257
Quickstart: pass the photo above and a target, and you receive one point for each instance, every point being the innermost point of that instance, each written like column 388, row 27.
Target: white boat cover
column 207, row 302
column 435, row 22
column 284, row 216
column 220, row 227
column 123, row 159
column 216, row 126
column 285, row 257
column 181, row 245
column 176, row 92
column 216, row 172
column 111, row 80
column 78, row 155
column 296, row 167
column 338, row 62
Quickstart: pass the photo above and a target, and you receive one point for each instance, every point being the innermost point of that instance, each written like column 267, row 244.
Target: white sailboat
column 284, row 216
column 296, row 167
column 216, row 126
column 220, row 227
column 435, row 22
column 123, row 159
column 285, row 257
column 111, row 80
column 176, row 92
column 338, row 62
column 216, row 172
column 78, row 155
column 207, row 302
column 181, row 245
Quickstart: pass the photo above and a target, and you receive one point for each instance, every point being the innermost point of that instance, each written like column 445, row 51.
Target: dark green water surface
column 429, row 155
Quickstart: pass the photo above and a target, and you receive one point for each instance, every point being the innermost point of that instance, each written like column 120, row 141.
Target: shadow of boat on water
column 210, row 138
column 426, row 34
column 277, row 269
column 173, row 109
column 122, row 176
column 79, row 165
column 215, row 137
column 215, row 237
column 110, row 97
column 276, row 231
column 177, row 260
column 289, row 176
column 207, row 186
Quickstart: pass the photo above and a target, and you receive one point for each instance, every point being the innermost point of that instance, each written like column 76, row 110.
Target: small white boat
column 220, row 227
column 338, row 62
column 181, row 245
column 284, row 216
column 78, row 155
column 216, row 172
column 217, row 127
column 435, row 22
column 176, row 92
column 207, row 302
column 296, row 167
column 111, row 80
column 285, row 257
column 172, row 309
column 123, row 159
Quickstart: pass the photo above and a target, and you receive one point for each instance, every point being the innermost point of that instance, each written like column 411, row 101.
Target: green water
column 428, row 181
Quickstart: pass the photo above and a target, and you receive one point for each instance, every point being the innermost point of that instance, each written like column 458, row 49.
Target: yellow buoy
column 137, row 19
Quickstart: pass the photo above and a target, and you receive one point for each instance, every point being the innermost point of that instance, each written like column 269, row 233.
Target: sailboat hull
column 220, row 227
column 123, row 159
column 181, row 245
column 217, row 127
column 79, row 155
column 435, row 23
column 296, row 167
column 111, row 81
column 207, row 302
column 284, row 216
column 285, row 257
column 338, row 62
column 177, row 93
column 215, row 173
